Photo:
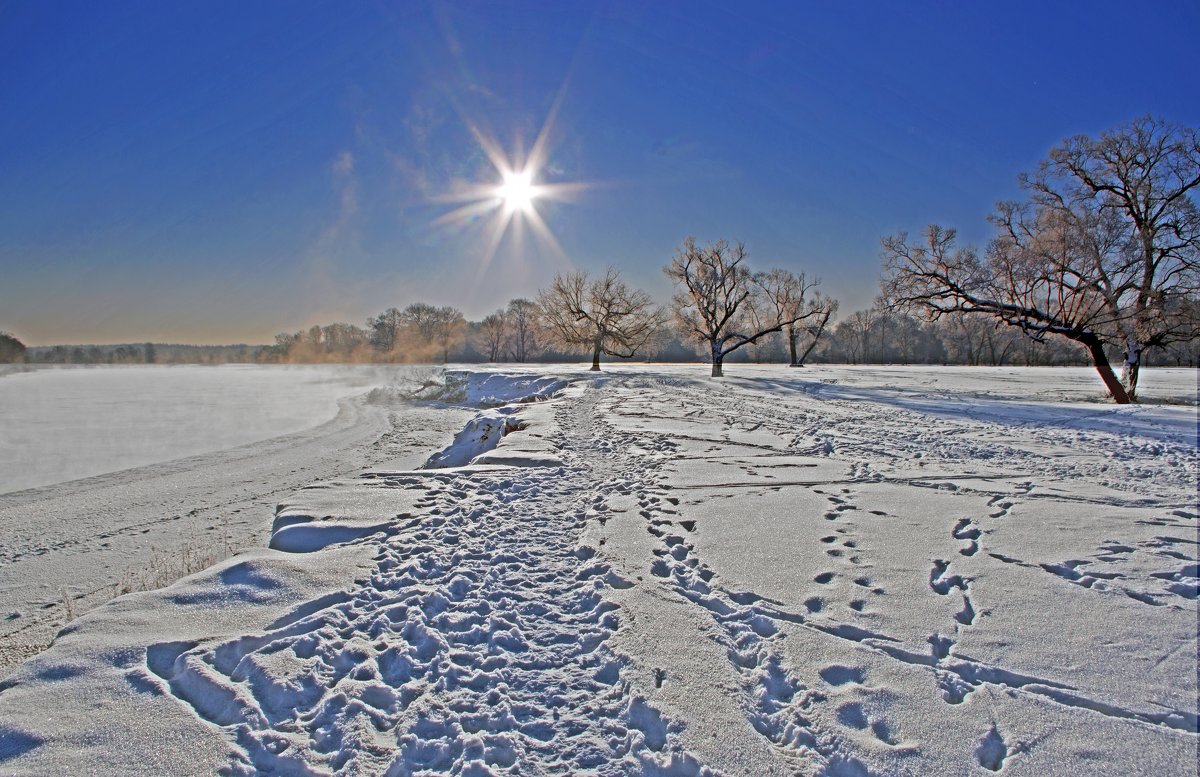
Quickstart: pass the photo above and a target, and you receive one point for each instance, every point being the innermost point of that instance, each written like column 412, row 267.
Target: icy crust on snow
column 659, row 574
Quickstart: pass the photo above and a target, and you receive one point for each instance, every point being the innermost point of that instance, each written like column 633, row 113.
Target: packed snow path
column 478, row 642
column 660, row 574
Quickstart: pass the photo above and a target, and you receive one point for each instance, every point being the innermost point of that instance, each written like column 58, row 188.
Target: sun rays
column 508, row 204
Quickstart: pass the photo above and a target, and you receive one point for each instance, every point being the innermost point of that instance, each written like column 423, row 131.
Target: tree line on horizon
column 1100, row 262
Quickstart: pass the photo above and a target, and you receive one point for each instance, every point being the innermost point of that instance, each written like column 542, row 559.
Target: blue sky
column 222, row 171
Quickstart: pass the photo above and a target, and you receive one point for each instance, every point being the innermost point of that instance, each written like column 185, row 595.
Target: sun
column 509, row 207
column 517, row 192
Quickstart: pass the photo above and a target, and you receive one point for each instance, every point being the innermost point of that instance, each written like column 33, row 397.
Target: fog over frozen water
column 60, row 424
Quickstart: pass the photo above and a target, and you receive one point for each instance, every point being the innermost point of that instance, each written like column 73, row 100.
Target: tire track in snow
column 477, row 646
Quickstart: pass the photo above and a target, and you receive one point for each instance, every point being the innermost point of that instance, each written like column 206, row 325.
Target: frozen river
column 61, row 424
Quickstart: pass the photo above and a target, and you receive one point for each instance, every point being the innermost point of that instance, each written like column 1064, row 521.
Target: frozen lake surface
column 60, row 424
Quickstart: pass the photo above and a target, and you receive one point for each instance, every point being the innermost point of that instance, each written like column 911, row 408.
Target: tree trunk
column 791, row 338
column 807, row 351
column 717, row 358
column 1100, row 360
column 1133, row 365
column 596, row 355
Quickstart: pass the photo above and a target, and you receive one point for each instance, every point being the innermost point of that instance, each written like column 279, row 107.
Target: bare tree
column 790, row 291
column 603, row 314
column 493, row 332
column 427, row 332
column 449, row 328
column 722, row 304
column 1131, row 192
column 1106, row 252
column 524, row 331
column 819, row 311
column 419, row 320
column 856, row 333
column 385, row 331
column 342, row 342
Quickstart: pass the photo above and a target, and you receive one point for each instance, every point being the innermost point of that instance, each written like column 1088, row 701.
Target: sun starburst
column 509, row 202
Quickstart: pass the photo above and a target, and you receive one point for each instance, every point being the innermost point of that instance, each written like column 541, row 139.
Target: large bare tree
column 603, row 314
column 722, row 303
column 1134, row 189
column 1104, row 252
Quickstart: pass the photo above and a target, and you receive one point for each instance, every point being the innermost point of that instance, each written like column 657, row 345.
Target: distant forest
column 872, row 336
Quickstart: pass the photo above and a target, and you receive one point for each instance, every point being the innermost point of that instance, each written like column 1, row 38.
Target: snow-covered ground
column 822, row 571
column 71, row 546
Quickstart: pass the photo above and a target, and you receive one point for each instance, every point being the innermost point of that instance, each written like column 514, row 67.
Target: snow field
column 64, row 423
column 822, row 564
column 829, row 572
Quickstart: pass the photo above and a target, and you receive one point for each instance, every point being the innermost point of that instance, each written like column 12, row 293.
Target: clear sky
column 222, row 171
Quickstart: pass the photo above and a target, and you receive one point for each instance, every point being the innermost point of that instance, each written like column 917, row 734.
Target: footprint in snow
column 836, row 675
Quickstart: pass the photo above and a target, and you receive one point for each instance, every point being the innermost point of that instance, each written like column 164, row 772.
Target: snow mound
column 481, row 434
column 463, row 387
column 492, row 389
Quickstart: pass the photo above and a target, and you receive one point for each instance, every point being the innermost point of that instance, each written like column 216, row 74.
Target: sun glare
column 517, row 191
column 510, row 207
